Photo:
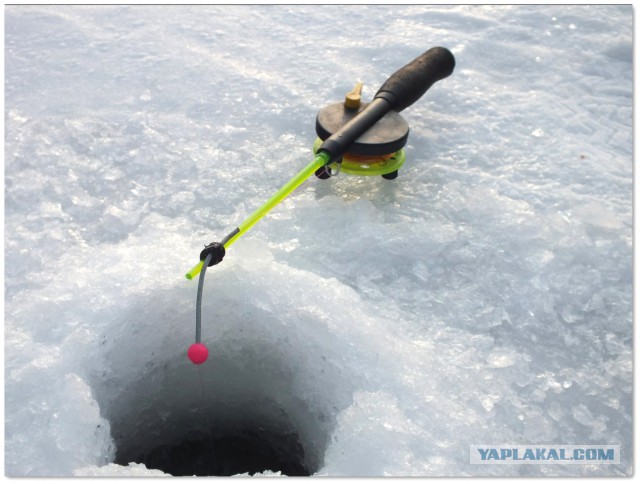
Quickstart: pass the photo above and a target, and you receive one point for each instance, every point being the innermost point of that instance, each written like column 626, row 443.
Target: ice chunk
column 502, row 358
column 582, row 414
column 597, row 214
column 115, row 470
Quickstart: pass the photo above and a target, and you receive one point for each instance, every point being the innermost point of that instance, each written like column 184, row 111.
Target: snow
column 485, row 296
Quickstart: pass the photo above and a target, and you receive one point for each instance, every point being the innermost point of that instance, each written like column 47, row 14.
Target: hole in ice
column 222, row 451
column 245, row 420
column 268, row 401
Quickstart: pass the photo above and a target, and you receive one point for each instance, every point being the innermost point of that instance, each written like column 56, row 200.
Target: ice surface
column 482, row 297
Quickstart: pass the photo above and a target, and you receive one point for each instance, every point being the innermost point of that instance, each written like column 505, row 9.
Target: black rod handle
column 409, row 83
column 401, row 90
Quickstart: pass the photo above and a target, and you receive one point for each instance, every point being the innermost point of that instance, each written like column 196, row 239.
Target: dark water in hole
column 245, row 451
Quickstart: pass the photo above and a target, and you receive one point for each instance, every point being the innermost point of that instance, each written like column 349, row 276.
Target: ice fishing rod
column 354, row 137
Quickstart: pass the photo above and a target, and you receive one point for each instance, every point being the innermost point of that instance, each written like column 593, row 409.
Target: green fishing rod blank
column 195, row 270
column 321, row 159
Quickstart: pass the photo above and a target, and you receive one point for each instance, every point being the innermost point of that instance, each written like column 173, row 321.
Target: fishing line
column 197, row 352
column 199, row 298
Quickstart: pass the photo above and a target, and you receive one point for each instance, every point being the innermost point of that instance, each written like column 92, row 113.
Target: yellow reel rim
column 373, row 166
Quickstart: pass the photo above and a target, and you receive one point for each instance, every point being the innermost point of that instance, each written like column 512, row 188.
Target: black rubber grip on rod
column 408, row 84
column 400, row 91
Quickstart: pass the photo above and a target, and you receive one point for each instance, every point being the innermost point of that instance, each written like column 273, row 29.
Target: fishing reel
column 378, row 151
